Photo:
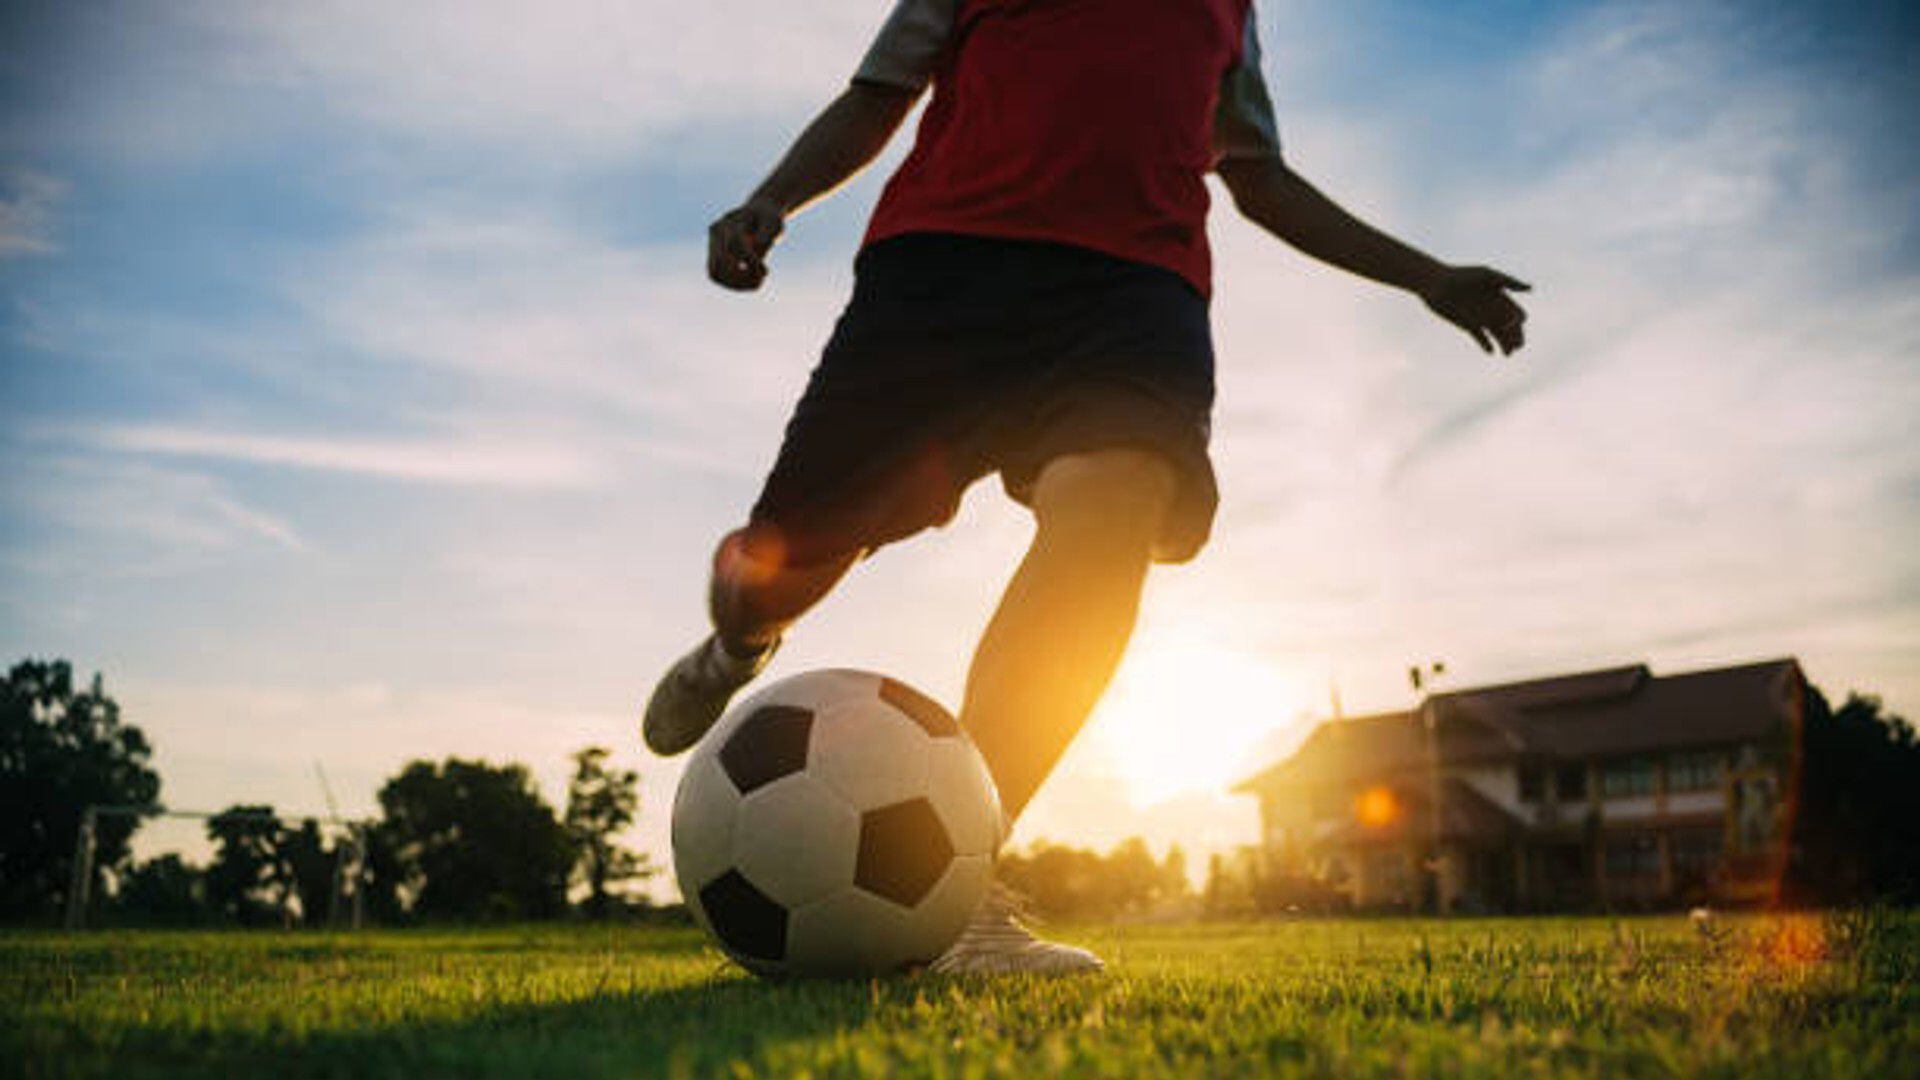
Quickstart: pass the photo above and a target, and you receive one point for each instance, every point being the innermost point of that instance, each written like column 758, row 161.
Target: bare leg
column 754, row 595
column 1065, row 619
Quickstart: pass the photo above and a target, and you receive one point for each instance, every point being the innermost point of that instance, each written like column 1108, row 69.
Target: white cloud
column 97, row 520
column 29, row 202
column 597, row 76
column 464, row 460
column 632, row 345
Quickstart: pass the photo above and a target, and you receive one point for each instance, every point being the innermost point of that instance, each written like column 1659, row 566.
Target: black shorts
column 959, row 356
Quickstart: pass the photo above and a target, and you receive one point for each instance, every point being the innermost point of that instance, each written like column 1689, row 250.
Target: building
column 1614, row 788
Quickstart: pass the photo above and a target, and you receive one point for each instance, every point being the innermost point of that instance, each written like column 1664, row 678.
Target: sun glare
column 1185, row 717
column 1377, row 808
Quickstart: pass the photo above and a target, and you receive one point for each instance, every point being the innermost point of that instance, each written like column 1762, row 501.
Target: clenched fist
column 737, row 244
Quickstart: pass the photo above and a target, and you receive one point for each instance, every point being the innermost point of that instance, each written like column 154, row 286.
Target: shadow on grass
column 694, row 1030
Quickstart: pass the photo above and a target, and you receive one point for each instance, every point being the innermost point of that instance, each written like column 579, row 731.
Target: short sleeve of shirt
column 910, row 44
column 1243, row 126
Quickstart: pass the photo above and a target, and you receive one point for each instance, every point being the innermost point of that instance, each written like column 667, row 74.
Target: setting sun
column 1184, row 716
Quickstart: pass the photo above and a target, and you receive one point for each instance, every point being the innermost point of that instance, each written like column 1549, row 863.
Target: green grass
column 1787, row 997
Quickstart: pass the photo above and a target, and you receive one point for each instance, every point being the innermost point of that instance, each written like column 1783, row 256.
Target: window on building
column 1570, row 781
column 1697, row 770
column 1696, row 852
column 1533, row 783
column 1624, row 778
column 1635, row 855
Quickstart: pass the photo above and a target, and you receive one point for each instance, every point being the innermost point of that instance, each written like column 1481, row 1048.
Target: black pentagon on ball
column 903, row 851
column 919, row 708
column 745, row 919
column 768, row 745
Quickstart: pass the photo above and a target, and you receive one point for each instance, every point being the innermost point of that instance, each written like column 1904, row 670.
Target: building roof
column 1595, row 713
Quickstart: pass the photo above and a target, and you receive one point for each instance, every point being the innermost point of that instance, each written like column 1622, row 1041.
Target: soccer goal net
column 345, row 905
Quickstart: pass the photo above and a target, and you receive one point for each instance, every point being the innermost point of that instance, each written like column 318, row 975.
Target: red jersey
column 1086, row 122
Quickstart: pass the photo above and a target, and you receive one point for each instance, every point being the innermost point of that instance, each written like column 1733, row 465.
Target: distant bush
column 1076, row 883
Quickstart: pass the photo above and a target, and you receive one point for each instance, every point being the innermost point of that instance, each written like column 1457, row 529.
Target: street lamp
column 1421, row 677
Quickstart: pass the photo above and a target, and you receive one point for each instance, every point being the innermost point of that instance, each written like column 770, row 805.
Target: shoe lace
column 996, row 923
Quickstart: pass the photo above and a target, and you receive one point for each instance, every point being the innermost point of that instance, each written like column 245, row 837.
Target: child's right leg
column 754, row 594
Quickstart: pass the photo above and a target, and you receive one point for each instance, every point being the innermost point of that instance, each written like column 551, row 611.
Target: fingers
column 1480, row 338
column 1510, row 337
column 1509, row 282
column 1475, row 300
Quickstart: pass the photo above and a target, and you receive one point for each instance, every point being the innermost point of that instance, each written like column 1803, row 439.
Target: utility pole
column 1421, row 678
column 80, row 891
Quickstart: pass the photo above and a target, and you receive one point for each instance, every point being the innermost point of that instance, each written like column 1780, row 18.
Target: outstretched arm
column 1473, row 298
column 839, row 142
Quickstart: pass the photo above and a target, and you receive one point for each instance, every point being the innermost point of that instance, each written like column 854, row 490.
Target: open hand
column 737, row 245
column 1474, row 298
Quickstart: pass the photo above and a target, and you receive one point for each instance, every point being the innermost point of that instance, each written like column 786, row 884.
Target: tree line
column 467, row 840
column 455, row 840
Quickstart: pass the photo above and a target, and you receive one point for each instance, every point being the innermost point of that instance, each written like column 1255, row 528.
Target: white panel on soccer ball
column 796, row 840
column 850, row 933
column 871, row 755
column 963, row 796
column 936, row 920
column 810, row 690
column 703, row 815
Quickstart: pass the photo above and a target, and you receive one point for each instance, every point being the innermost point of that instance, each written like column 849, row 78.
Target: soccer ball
column 835, row 823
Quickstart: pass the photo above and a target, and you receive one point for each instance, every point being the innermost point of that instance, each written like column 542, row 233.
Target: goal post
column 346, row 901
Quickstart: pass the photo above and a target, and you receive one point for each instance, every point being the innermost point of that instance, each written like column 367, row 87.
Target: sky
column 362, row 397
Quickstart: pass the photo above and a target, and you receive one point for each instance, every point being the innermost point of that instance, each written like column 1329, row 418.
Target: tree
column 383, row 875
column 62, row 751
column 165, row 891
column 1856, row 836
column 310, row 864
column 475, row 841
column 600, row 803
column 1067, row 882
column 249, row 881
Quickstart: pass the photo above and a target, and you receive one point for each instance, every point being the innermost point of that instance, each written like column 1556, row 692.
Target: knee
column 1123, row 491
column 749, row 556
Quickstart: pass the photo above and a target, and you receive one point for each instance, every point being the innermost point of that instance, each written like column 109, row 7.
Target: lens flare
column 1377, row 807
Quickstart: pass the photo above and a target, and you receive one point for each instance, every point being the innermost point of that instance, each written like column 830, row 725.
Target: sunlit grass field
column 1750, row 996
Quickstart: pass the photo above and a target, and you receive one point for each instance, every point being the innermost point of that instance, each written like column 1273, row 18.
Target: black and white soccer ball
column 836, row 823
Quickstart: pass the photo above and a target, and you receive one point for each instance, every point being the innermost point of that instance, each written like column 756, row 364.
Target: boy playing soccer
column 1031, row 299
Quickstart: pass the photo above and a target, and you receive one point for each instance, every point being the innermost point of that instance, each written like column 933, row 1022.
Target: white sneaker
column 995, row 943
column 695, row 691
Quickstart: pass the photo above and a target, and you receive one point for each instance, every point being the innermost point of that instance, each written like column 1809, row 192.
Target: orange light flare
column 1797, row 940
column 1377, row 807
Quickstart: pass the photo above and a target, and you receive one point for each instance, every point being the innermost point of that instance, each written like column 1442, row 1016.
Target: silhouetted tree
column 600, row 803
column 249, row 880
column 310, row 863
column 476, row 841
column 1856, row 835
column 163, row 891
column 384, row 877
column 61, row 751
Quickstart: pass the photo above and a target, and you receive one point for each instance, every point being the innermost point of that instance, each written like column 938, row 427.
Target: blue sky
column 362, row 397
